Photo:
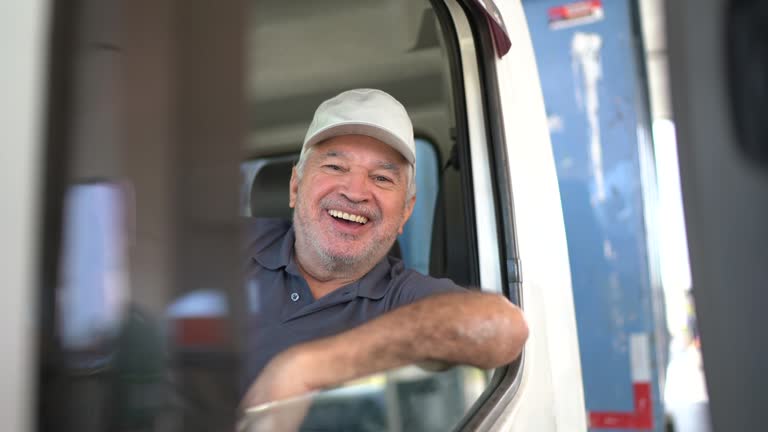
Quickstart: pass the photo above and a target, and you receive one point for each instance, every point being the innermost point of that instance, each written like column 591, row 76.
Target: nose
column 356, row 188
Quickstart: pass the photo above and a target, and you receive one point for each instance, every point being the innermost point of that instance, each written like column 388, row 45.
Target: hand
column 286, row 375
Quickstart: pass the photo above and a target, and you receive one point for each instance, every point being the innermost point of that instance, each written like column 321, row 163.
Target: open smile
column 338, row 214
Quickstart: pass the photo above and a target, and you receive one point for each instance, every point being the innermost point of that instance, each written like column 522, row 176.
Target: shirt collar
column 375, row 283
column 280, row 254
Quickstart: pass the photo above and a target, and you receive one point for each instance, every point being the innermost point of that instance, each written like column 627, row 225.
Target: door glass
column 406, row 399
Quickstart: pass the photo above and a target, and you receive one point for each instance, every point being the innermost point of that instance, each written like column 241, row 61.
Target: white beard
column 338, row 265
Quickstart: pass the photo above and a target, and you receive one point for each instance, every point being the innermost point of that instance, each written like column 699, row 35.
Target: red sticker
column 572, row 14
column 640, row 418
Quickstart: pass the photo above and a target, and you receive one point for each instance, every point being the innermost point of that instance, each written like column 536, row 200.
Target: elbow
column 481, row 329
column 510, row 336
column 519, row 336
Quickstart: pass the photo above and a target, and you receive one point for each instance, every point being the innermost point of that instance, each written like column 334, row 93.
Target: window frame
column 471, row 45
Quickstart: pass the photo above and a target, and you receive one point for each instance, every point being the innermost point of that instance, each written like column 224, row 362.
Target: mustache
column 345, row 205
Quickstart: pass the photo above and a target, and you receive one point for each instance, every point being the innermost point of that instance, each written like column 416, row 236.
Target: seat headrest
column 270, row 189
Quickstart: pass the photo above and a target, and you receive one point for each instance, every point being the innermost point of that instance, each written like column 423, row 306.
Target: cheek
column 312, row 191
column 394, row 212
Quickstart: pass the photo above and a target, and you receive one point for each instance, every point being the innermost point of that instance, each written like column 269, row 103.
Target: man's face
column 350, row 203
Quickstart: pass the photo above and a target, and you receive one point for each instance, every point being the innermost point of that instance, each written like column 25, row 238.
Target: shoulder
column 261, row 233
column 410, row 285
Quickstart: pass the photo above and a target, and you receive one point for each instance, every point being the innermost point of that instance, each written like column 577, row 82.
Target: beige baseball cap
column 369, row 112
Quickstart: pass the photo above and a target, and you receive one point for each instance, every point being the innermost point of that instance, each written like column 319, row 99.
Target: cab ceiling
column 302, row 52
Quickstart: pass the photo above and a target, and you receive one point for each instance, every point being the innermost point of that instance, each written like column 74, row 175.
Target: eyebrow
column 381, row 164
column 388, row 166
column 334, row 153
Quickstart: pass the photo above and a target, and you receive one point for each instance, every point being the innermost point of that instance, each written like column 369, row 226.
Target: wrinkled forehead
column 383, row 163
column 360, row 149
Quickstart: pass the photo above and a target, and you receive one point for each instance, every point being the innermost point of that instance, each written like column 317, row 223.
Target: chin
column 345, row 257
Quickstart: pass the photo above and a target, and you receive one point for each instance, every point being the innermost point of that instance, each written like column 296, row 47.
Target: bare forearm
column 464, row 328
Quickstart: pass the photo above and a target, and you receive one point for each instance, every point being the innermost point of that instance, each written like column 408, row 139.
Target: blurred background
column 165, row 122
column 605, row 76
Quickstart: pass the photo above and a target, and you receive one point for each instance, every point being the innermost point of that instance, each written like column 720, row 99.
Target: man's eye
column 332, row 167
column 382, row 179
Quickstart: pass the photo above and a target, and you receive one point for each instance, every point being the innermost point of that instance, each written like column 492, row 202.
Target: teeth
column 350, row 217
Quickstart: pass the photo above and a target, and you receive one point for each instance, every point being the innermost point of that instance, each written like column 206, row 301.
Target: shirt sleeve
column 416, row 286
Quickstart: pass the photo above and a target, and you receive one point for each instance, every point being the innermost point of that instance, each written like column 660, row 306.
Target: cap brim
column 361, row 128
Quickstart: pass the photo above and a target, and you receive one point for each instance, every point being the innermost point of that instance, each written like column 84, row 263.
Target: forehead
column 359, row 148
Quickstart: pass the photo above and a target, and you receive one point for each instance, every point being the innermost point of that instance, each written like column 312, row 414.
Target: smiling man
column 331, row 306
column 353, row 204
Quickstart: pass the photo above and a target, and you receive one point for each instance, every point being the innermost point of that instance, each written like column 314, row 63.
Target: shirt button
column 295, row 296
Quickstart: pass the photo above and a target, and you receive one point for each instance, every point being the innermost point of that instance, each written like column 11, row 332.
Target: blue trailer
column 589, row 55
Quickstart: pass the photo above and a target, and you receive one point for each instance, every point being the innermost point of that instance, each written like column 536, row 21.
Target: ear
column 408, row 213
column 294, row 188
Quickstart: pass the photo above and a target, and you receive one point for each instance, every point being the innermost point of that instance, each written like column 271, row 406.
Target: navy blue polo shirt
column 283, row 311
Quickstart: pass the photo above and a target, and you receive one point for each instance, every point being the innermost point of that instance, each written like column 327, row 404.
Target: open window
column 411, row 50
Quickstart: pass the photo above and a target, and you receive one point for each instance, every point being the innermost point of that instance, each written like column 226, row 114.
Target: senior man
column 332, row 305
